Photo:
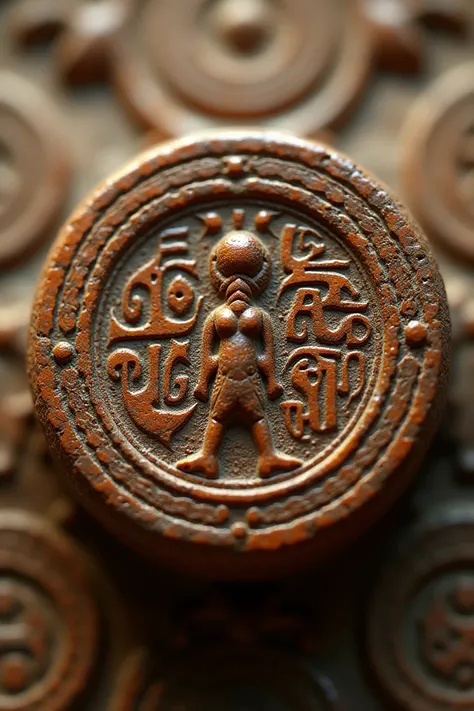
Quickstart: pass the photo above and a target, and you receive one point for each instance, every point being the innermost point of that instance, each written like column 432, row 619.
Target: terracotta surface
column 275, row 279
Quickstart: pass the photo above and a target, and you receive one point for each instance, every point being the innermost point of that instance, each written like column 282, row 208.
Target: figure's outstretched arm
column 267, row 359
column 208, row 359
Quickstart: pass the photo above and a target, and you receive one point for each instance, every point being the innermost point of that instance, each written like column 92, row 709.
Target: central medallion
column 258, row 312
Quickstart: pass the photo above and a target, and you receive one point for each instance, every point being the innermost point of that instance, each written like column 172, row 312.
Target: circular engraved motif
column 180, row 295
column 285, row 397
column 48, row 625
column 63, row 352
column 295, row 63
column 438, row 166
column 246, row 677
column 421, row 624
column 33, row 167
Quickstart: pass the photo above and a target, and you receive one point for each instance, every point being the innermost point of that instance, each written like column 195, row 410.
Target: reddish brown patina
column 239, row 351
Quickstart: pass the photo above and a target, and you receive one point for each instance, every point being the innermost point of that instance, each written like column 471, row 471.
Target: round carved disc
column 48, row 621
column 238, row 347
column 438, row 166
column 298, row 64
column 421, row 621
column 33, row 167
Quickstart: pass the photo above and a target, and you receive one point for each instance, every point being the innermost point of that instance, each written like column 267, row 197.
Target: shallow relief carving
column 242, row 310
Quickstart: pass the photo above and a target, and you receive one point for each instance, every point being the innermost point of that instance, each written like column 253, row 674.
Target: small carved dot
column 239, row 529
column 253, row 516
column 238, row 218
column 262, row 219
column 416, row 333
column 222, row 513
column 235, row 166
column 212, row 222
column 63, row 352
column 408, row 308
column 243, row 24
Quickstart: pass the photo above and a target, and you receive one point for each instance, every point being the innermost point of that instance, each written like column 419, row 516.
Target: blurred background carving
column 85, row 624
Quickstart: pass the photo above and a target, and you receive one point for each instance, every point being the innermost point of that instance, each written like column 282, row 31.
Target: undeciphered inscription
column 201, row 323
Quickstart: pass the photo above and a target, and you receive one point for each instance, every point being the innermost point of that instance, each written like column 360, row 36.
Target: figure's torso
column 238, row 334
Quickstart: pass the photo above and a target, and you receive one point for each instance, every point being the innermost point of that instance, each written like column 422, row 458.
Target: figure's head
column 240, row 254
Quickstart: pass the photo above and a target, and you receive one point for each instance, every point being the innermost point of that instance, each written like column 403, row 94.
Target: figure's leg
column 270, row 461
column 205, row 460
column 263, row 439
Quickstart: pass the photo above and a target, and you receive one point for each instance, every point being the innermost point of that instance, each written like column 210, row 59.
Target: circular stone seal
column 239, row 350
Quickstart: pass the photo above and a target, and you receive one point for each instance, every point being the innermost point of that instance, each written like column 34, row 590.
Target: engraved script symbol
column 447, row 635
column 310, row 269
column 151, row 278
column 124, row 363
column 323, row 298
column 139, row 323
column 240, row 269
column 23, row 638
column 320, row 385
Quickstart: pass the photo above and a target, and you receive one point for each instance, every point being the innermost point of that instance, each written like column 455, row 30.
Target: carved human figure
column 240, row 270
